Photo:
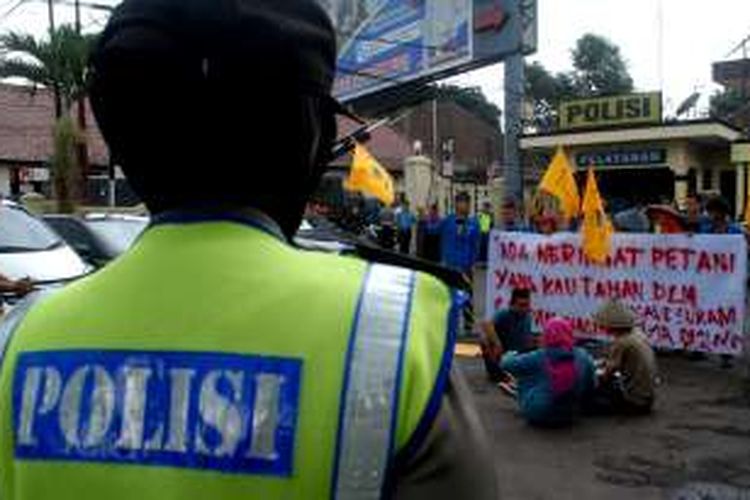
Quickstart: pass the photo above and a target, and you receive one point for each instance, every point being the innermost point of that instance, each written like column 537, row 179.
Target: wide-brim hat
column 615, row 314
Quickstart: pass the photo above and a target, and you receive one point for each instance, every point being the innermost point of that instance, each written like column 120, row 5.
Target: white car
column 31, row 249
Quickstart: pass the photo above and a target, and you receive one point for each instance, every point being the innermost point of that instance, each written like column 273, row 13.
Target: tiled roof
column 26, row 119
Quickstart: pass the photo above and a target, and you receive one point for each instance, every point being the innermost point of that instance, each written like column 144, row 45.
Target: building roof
column 27, row 117
column 388, row 146
column 700, row 130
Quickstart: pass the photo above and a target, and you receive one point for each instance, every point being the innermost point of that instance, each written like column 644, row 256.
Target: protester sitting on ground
column 509, row 330
column 627, row 383
column 552, row 382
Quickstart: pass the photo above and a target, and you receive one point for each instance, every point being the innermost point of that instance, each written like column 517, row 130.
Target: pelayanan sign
column 612, row 111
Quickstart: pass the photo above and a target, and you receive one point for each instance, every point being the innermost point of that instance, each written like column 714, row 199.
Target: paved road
column 700, row 433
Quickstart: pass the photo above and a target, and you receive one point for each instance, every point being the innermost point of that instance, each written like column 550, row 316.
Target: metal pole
column 514, row 94
column 514, row 91
column 112, row 185
column 77, row 6
column 55, row 86
column 435, row 148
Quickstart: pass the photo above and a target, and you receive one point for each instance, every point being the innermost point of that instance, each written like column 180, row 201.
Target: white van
column 30, row 248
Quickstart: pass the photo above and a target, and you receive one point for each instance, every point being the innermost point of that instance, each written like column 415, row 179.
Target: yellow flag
column 596, row 228
column 560, row 182
column 369, row 177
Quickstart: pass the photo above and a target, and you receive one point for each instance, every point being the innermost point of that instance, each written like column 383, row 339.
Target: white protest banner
column 688, row 290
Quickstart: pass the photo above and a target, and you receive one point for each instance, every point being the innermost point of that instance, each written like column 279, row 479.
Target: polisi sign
column 611, row 111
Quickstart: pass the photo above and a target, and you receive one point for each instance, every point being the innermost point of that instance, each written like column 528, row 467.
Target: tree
column 599, row 69
column 57, row 63
column 729, row 105
column 472, row 99
column 544, row 92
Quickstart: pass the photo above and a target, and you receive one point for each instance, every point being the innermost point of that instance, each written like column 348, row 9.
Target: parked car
column 98, row 238
column 30, row 248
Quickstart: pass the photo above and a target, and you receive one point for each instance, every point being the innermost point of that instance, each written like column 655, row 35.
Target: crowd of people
column 553, row 380
column 460, row 239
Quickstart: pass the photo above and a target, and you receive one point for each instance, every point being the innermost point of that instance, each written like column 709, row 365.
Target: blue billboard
column 383, row 43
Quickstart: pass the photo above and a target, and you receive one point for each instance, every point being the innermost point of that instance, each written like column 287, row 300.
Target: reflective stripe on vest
column 371, row 384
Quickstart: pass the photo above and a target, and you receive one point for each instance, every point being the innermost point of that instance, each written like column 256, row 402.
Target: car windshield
column 118, row 234
column 21, row 232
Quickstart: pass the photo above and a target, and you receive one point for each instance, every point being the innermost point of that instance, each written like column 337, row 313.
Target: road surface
column 698, row 438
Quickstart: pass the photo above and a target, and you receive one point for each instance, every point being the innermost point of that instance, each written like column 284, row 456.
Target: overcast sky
column 695, row 34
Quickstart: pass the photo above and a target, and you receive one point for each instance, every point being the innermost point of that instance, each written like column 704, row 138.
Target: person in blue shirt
column 555, row 381
column 719, row 219
column 510, row 220
column 460, row 237
column 509, row 330
column 405, row 222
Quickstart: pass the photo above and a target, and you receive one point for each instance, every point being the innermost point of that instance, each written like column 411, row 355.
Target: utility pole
column 514, row 95
column 55, row 86
column 82, row 149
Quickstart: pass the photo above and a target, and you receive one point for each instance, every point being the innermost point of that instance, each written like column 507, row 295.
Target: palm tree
column 58, row 62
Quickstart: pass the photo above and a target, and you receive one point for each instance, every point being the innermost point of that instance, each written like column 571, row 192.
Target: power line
column 739, row 46
column 11, row 10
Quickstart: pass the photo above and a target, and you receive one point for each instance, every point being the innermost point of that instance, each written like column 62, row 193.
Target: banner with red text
column 688, row 290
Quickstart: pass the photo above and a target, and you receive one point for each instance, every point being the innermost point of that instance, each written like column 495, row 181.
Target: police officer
column 214, row 360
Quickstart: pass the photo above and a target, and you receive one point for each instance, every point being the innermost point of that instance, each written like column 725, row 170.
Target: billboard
column 615, row 111
column 384, row 43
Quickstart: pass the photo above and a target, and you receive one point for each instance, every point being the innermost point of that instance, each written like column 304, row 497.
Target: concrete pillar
column 418, row 181
column 5, row 181
column 681, row 186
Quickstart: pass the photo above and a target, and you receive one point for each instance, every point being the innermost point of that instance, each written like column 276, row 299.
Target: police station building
column 639, row 158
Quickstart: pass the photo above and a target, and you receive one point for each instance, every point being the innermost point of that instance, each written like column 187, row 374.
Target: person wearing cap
column 553, row 381
column 214, row 359
column 627, row 383
column 460, row 236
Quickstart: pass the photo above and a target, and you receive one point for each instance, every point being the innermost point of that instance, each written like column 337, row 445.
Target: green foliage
column 59, row 60
column 474, row 100
column 728, row 104
column 598, row 70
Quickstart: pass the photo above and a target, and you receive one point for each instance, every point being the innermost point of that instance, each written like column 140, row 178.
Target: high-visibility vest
column 485, row 223
column 215, row 361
